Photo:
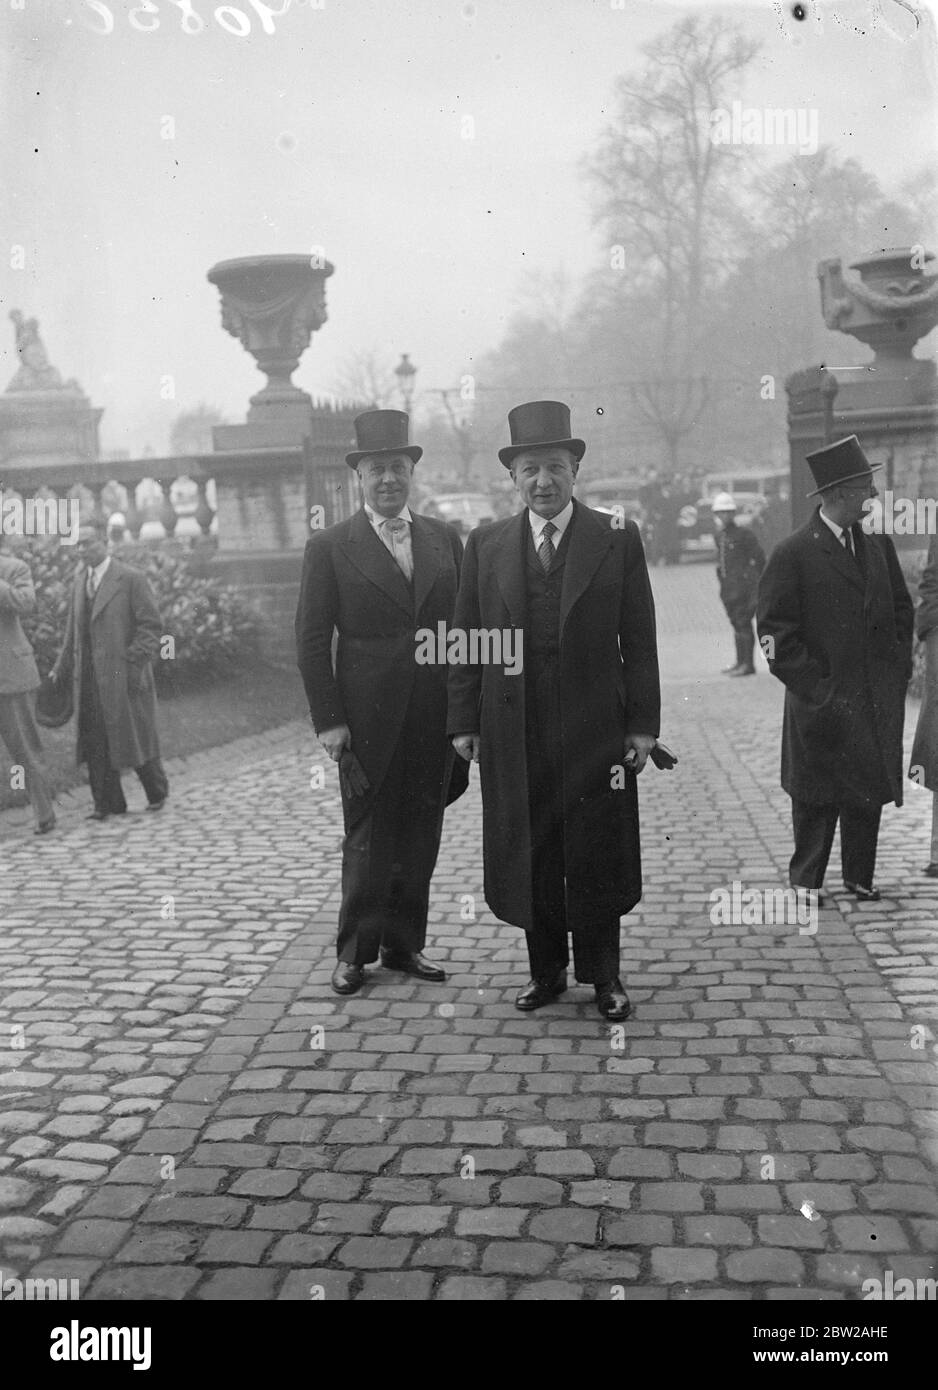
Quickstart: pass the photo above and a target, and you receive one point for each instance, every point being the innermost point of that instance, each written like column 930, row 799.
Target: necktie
column 545, row 551
column 847, row 538
column 90, row 586
column 395, row 528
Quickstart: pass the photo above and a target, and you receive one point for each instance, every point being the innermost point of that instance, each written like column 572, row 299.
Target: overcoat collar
column 589, row 542
column 111, row 582
column 851, row 569
column 373, row 560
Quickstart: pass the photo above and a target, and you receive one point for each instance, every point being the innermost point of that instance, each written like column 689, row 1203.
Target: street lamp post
column 405, row 371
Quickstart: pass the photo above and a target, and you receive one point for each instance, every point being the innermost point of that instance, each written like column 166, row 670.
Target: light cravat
column 395, row 529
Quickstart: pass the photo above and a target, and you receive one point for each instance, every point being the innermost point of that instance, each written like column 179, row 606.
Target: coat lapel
column 509, row 567
column 373, row 560
column 106, row 590
column 589, row 542
column 845, row 564
column 428, row 559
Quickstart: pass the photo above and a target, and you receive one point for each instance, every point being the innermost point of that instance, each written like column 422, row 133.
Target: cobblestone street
column 188, row 1111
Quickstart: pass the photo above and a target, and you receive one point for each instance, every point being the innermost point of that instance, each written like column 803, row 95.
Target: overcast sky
column 344, row 128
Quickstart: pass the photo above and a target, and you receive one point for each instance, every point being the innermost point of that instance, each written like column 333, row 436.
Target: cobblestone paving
column 186, row 1110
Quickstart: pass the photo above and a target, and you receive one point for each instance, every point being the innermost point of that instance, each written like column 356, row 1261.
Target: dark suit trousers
column 106, row 790
column 814, row 828
column 596, row 951
column 388, row 857
column 740, row 608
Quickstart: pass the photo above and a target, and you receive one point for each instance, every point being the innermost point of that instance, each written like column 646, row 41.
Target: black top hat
column 538, row 424
column 54, row 703
column 382, row 432
column 839, row 463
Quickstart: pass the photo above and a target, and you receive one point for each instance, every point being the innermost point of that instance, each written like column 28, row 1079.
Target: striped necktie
column 545, row 551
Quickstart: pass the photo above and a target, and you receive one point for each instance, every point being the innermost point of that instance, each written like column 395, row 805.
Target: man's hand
column 336, row 740
column 637, row 748
column 468, row 746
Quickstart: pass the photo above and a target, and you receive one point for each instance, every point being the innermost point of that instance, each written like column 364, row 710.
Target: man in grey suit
column 19, row 680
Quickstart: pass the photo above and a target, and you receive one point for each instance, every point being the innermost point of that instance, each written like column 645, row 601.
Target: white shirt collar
column 561, row 522
column 376, row 518
column 837, row 530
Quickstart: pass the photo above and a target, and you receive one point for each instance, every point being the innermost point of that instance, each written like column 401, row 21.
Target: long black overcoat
column 837, row 631
column 608, row 685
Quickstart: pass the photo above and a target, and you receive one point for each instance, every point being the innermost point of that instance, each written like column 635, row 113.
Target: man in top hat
column 19, row 679
column 112, row 637
column 559, row 745
column 740, row 561
column 835, row 624
column 374, row 580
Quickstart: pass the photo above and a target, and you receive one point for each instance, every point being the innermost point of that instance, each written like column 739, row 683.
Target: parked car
column 617, row 496
column 463, row 510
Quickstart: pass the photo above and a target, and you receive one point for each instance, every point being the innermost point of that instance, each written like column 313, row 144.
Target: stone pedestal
column 891, row 403
column 273, row 470
column 46, row 428
column 44, row 421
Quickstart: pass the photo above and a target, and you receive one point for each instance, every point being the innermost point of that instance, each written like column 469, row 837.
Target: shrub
column 215, row 630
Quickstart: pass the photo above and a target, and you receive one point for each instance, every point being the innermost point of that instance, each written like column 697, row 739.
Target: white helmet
column 723, row 502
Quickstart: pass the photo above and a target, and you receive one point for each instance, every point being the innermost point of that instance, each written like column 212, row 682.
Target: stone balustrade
column 89, row 480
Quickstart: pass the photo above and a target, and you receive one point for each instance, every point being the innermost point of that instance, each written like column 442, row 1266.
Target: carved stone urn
column 273, row 304
column 891, row 306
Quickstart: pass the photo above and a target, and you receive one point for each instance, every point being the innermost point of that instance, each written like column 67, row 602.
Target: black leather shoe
column 415, row 964
column 97, row 815
column 931, row 870
column 730, row 670
column 537, row 993
column 45, row 826
column 612, row 1000
column 348, row 978
column 156, row 805
column 863, row 895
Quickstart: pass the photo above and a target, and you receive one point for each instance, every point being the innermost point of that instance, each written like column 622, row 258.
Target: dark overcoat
column 838, row 634
column 923, row 765
column 608, row 686
column 125, row 639
column 352, row 586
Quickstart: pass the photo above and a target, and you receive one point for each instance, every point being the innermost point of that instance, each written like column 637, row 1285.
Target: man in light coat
column 559, row 745
column 835, row 624
column 112, row 636
column 19, row 679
